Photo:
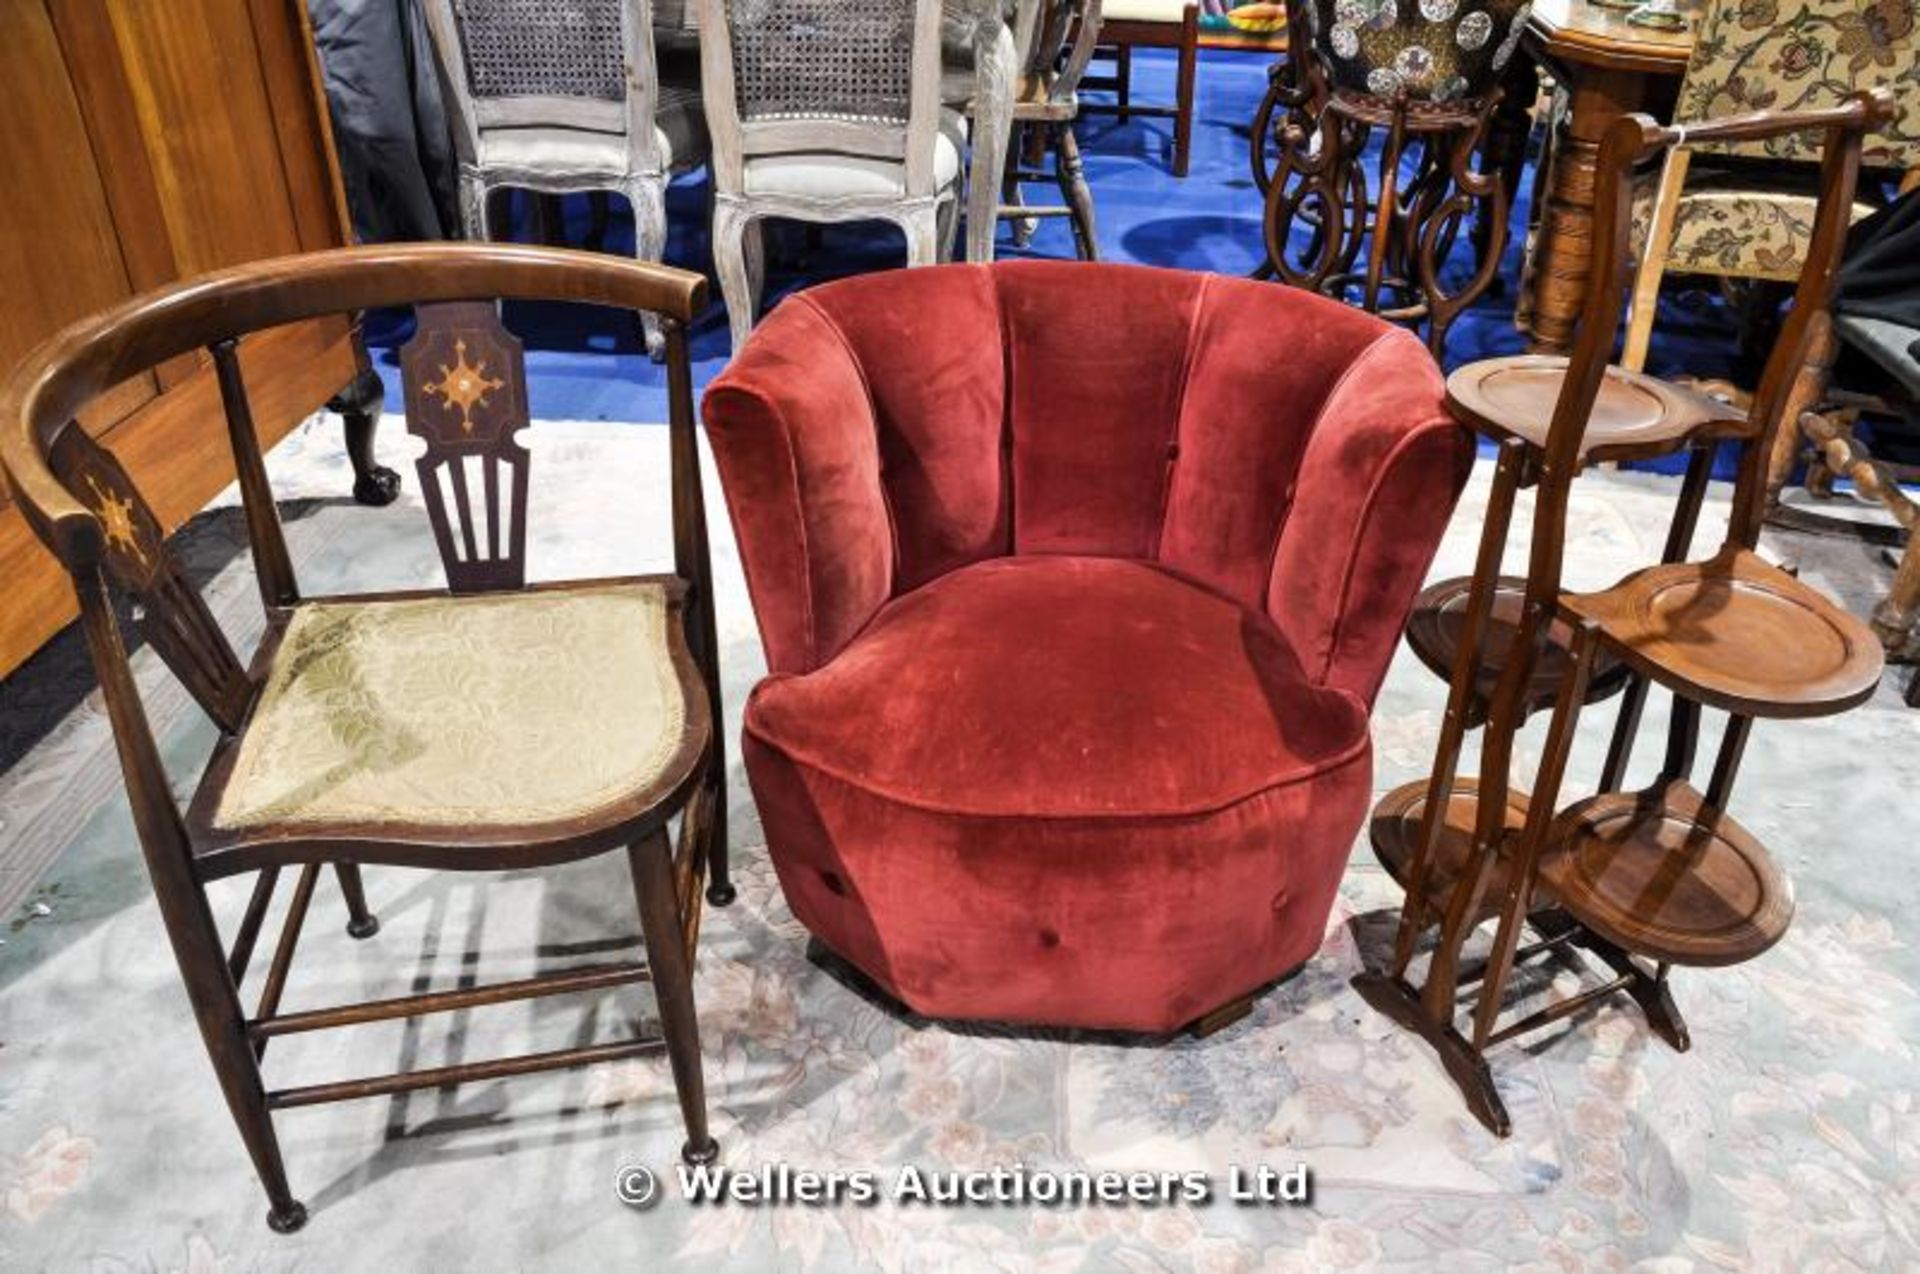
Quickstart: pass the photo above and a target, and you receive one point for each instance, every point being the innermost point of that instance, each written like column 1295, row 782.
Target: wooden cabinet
column 145, row 141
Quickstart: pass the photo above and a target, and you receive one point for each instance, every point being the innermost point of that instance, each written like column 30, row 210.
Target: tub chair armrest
column 1383, row 468
column 793, row 432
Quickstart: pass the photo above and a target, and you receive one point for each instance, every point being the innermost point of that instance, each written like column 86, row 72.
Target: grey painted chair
column 566, row 95
column 986, row 43
column 824, row 110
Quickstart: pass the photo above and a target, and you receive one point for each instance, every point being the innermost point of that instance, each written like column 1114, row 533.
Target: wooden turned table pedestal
column 1609, row 68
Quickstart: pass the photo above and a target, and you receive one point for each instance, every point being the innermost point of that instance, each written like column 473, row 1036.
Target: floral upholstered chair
column 1738, row 213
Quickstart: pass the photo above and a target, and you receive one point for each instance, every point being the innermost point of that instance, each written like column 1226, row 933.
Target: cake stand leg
column 1465, row 1065
column 1540, row 811
column 1650, row 991
column 1415, row 911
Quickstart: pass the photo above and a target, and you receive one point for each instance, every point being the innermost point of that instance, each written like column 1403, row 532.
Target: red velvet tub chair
column 1076, row 583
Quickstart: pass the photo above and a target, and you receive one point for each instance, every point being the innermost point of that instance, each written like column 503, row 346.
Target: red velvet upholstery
column 1076, row 583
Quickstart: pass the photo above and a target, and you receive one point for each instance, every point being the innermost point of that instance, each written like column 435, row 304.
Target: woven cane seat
column 500, row 710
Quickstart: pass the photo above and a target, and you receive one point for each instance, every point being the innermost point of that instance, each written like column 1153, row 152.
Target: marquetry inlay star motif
column 464, row 386
column 117, row 513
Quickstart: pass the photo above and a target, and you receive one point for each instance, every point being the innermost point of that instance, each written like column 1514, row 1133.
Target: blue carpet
column 1211, row 220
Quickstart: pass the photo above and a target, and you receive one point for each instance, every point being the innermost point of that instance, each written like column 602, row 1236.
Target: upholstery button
column 1048, row 938
column 833, row 883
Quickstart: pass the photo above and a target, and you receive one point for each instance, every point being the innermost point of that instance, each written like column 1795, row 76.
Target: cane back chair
column 824, row 110
column 1663, row 876
column 494, row 725
column 560, row 96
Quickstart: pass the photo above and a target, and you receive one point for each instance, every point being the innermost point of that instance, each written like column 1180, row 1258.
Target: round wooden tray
column 1635, row 417
column 1433, row 630
column 1661, row 876
column 1395, row 831
column 1740, row 634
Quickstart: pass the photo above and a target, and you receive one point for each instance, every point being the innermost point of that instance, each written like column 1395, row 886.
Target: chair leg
column 649, row 199
column 1123, row 81
column 1011, row 197
column 1894, row 618
column 1810, row 384
column 473, row 208
column 1071, row 175
column 216, row 1009
column 733, row 228
column 1653, row 263
column 949, row 222
column 1183, row 92
column 720, row 890
column 361, row 923
column 753, row 247
column 922, row 229
column 652, row 865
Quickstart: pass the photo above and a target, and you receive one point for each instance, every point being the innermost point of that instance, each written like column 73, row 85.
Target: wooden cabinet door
column 155, row 140
column 60, row 253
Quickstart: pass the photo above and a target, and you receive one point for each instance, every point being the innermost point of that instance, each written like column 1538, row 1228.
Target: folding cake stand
column 1642, row 880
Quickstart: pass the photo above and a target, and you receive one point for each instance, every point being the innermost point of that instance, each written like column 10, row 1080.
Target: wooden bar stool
column 1642, row 880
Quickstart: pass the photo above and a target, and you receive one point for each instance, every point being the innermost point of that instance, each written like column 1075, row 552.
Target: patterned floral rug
column 1783, row 1141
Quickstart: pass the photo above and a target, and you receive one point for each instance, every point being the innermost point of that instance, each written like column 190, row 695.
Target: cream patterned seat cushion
column 500, row 710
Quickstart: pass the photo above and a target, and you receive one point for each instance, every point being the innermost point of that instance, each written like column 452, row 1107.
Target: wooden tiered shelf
column 1397, row 824
column 1434, row 628
column 1663, row 875
column 1738, row 633
column 1635, row 417
column 1644, row 881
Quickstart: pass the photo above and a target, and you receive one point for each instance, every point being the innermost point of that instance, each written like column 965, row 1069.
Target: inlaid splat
column 466, row 396
column 173, row 618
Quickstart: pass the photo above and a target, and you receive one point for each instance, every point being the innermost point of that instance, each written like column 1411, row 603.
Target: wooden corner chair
column 489, row 726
